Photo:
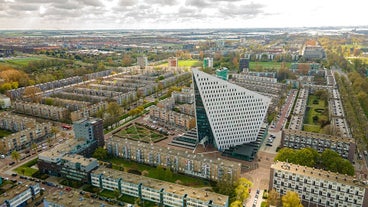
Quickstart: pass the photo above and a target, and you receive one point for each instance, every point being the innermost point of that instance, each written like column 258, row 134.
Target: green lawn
column 4, row 133
column 158, row 173
column 141, row 133
column 316, row 108
column 22, row 61
column 28, row 171
column 266, row 66
column 185, row 63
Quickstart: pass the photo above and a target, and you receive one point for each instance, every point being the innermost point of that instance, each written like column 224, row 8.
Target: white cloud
column 117, row 14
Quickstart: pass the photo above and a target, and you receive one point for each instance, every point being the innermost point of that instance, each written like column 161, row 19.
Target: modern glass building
column 227, row 114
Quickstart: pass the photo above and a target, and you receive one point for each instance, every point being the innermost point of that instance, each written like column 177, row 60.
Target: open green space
column 140, row 133
column 125, row 198
column 22, row 61
column 267, row 66
column 315, row 114
column 157, row 173
column 4, row 133
column 185, row 63
column 26, row 169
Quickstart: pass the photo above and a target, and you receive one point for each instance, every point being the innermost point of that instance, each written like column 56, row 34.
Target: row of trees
column 355, row 116
column 327, row 160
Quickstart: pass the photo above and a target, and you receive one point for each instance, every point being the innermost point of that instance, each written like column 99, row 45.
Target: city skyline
column 175, row 14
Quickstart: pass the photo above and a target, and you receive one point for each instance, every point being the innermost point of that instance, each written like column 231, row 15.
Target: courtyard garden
column 140, row 133
column 316, row 116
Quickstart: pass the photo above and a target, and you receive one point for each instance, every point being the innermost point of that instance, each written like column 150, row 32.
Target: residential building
column 179, row 161
column 4, row 102
column 227, row 114
column 313, row 52
column 172, row 118
column 20, row 195
column 157, row 191
column 15, row 123
column 73, row 198
column 41, row 110
column 24, row 138
column 90, row 129
column 184, row 96
column 208, row 62
column 244, row 64
column 66, row 160
column 317, row 187
column 142, row 62
column 297, row 139
column 173, row 62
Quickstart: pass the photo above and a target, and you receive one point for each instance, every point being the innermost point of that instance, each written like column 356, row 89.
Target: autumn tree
column 274, row 198
column 291, row 199
column 127, row 60
column 33, row 93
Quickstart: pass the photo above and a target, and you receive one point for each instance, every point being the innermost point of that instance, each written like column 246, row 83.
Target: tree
column 242, row 189
column 100, row 153
column 34, row 147
column 291, row 199
column 127, row 60
column 23, row 170
column 54, row 130
column 33, row 93
column 15, row 156
column 114, row 109
column 274, row 198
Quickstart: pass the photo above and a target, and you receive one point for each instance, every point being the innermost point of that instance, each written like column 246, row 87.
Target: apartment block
column 161, row 192
column 73, row 198
column 20, row 195
column 172, row 118
column 90, row 130
column 318, row 187
column 142, row 61
column 23, row 139
column 179, row 161
column 88, row 111
column 183, row 97
column 297, row 139
column 14, row 123
column 41, row 110
column 66, row 160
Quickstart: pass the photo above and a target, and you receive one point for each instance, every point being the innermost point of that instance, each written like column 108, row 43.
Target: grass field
column 316, row 109
column 363, row 59
column 28, row 170
column 267, row 66
column 185, row 63
column 4, row 133
column 21, row 61
column 141, row 133
column 158, row 173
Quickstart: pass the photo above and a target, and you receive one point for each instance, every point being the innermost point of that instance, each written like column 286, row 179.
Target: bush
column 133, row 171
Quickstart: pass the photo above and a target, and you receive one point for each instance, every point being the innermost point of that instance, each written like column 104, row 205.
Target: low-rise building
column 20, row 195
column 318, row 187
column 41, row 110
column 160, row 192
column 198, row 165
column 64, row 160
column 4, row 102
column 14, row 123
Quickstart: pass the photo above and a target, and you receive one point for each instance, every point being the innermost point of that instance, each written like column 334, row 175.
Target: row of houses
column 41, row 110
column 172, row 118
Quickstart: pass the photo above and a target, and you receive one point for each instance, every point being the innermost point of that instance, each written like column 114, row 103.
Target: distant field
column 364, row 59
column 267, row 65
column 20, row 61
column 185, row 63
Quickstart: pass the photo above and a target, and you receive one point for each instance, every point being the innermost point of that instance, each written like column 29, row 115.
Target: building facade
column 20, row 195
column 171, row 118
column 90, row 129
column 318, row 187
column 208, row 62
column 178, row 161
column 297, row 139
column 142, row 61
column 227, row 115
column 159, row 192
column 24, row 138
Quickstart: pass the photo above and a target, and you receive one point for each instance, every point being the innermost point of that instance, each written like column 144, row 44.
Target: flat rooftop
column 16, row 190
column 74, row 199
column 61, row 149
column 318, row 173
column 180, row 190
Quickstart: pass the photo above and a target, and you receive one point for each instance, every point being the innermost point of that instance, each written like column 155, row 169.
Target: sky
column 178, row 14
